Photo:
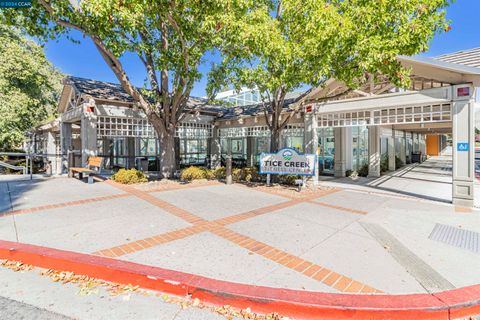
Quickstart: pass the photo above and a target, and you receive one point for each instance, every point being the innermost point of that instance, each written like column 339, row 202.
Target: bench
column 92, row 162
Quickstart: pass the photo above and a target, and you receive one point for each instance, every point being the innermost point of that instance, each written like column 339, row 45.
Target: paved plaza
column 339, row 238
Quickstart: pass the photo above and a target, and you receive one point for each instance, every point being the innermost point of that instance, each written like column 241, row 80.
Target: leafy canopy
column 29, row 87
column 171, row 38
column 292, row 43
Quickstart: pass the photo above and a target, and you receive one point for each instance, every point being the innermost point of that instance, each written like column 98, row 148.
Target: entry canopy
column 427, row 73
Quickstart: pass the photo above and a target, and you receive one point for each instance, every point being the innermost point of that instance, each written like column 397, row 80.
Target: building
column 375, row 128
column 244, row 97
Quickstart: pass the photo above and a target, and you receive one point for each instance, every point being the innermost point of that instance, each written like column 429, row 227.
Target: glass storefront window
column 239, row 148
column 148, row 147
column 359, row 147
column 399, row 145
column 409, row 150
column 384, row 154
column 193, row 151
column 262, row 145
column 294, row 143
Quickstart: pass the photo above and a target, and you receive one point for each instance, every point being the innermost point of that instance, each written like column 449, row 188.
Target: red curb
column 294, row 303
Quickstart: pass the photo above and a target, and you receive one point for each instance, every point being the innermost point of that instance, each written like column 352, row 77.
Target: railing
column 27, row 169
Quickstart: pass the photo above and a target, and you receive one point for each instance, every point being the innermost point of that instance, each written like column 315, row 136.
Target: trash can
column 141, row 163
column 416, row 157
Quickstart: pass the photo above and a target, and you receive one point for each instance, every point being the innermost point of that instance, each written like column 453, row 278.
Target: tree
column 293, row 43
column 29, row 87
column 171, row 38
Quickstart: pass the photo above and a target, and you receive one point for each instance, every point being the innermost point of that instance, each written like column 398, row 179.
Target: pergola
column 441, row 99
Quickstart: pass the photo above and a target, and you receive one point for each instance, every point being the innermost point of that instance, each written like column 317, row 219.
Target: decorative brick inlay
column 328, row 205
column 328, row 277
column 149, row 242
column 64, row 204
column 176, row 211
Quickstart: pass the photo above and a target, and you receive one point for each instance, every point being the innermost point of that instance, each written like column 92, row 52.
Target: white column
column 391, row 151
column 463, row 145
column 52, row 152
column 65, row 143
column 374, row 151
column 310, row 141
column 340, row 152
column 88, row 130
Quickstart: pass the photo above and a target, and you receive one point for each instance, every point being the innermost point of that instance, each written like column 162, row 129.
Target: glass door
column 359, row 147
column 326, row 150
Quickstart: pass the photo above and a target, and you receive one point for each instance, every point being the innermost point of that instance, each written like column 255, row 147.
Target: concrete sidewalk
column 356, row 240
column 28, row 295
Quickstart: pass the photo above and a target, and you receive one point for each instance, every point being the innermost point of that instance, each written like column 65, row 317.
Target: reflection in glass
column 326, row 150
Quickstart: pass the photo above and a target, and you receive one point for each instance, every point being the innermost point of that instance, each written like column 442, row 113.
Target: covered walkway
column 430, row 180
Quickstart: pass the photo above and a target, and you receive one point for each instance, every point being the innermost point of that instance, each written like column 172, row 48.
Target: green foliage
column 172, row 39
column 292, row 43
column 398, row 163
column 363, row 171
column 348, row 173
column 193, row 173
column 250, row 174
column 384, row 163
column 129, row 176
column 219, row 173
column 288, row 179
column 29, row 87
column 310, row 41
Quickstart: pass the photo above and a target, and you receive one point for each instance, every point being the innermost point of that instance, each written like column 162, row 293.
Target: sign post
column 287, row 161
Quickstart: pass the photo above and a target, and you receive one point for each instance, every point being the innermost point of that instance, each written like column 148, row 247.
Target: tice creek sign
column 287, row 161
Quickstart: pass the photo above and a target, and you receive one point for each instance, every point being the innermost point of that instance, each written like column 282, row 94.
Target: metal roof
column 435, row 62
column 469, row 57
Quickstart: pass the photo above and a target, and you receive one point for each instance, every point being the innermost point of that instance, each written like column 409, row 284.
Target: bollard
column 229, row 170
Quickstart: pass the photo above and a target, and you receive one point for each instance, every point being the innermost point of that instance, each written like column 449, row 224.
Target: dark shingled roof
column 110, row 91
column 99, row 89
column 115, row 92
column 257, row 109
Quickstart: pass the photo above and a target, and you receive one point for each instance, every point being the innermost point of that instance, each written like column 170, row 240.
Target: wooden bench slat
column 81, row 170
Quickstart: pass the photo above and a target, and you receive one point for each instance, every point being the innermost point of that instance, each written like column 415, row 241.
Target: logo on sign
column 287, row 155
column 462, row 146
column 287, row 161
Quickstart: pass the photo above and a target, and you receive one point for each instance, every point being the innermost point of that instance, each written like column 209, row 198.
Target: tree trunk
column 168, row 164
column 166, row 136
column 274, row 140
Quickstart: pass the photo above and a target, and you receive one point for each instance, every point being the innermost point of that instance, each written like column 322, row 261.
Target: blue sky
column 82, row 60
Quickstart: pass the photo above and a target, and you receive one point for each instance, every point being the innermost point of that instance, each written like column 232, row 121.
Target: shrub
column 288, row 179
column 363, row 171
column 384, row 163
column 219, row 173
column 193, row 173
column 237, row 174
column 348, row 173
column 209, row 174
column 250, row 174
column 398, row 163
column 129, row 176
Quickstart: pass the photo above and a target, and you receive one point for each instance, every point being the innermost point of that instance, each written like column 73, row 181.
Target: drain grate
column 456, row 237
